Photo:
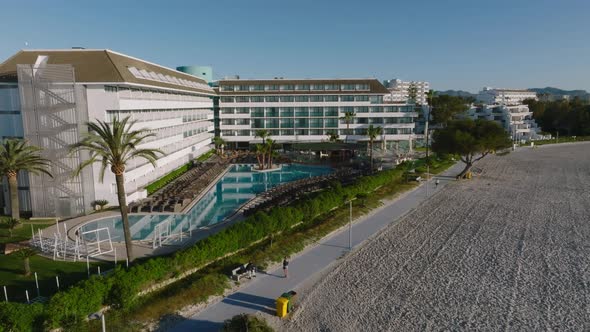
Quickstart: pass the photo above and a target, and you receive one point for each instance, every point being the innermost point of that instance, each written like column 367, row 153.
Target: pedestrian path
column 260, row 294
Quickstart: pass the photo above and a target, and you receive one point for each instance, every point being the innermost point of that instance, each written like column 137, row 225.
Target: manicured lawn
column 12, row 275
column 206, row 155
column 21, row 233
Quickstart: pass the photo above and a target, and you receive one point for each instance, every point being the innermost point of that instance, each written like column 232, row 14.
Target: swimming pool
column 236, row 187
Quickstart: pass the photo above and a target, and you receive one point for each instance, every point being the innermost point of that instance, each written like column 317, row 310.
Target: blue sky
column 454, row 44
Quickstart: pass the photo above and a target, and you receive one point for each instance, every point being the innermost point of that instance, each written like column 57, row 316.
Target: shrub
column 246, row 323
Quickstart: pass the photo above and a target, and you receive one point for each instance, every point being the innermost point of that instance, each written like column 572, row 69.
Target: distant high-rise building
column 399, row 91
column 494, row 96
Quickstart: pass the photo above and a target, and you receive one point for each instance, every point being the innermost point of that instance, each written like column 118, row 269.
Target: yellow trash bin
column 282, row 304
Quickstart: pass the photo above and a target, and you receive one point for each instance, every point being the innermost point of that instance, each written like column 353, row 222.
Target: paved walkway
column 260, row 294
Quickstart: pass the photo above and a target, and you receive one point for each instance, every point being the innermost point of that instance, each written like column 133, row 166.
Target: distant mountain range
column 547, row 90
column 556, row 91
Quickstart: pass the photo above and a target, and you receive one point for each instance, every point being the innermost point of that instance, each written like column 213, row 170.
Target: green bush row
column 160, row 183
column 119, row 290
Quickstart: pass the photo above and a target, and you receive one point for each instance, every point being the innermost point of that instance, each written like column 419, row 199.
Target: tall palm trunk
column 371, row 152
column 119, row 177
column 27, row 267
column 13, row 185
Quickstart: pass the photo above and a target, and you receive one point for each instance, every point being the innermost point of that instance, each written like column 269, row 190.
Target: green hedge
column 120, row 288
column 160, row 183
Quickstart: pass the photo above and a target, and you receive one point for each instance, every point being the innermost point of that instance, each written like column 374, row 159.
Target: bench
column 239, row 272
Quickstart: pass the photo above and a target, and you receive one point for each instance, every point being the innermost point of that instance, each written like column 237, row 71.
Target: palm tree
column 25, row 254
column 260, row 155
column 373, row 132
column 16, row 155
column 348, row 118
column 115, row 145
column 218, row 142
column 263, row 134
column 12, row 223
column 430, row 96
column 270, row 144
column 333, row 136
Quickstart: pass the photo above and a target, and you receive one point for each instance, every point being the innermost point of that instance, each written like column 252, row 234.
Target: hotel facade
column 47, row 96
column 308, row 110
column 494, row 96
column 517, row 120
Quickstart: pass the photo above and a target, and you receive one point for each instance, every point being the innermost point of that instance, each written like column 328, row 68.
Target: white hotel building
column 493, row 96
column 398, row 91
column 307, row 110
column 46, row 96
column 517, row 120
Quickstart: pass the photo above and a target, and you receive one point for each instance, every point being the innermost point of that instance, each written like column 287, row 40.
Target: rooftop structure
column 47, row 95
column 517, row 120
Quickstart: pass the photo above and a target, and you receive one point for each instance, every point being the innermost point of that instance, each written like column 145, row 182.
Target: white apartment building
column 47, row 96
column 307, row 110
column 398, row 91
column 517, row 120
column 493, row 96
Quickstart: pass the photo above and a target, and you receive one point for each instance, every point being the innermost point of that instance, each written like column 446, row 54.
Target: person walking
column 251, row 270
column 285, row 266
column 436, row 183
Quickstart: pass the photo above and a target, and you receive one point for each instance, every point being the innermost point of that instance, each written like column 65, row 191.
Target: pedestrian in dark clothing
column 436, row 183
column 285, row 266
column 251, row 270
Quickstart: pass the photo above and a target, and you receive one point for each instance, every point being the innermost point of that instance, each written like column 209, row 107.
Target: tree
column 333, row 136
column 16, row 155
column 11, row 223
column 25, row 254
column 348, row 118
column 412, row 93
column 372, row 133
column 263, row 134
column 430, row 96
column 260, row 155
column 115, row 145
column 473, row 140
column 445, row 108
column 269, row 148
column 218, row 142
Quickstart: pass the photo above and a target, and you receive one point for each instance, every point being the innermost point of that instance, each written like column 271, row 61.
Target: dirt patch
column 509, row 250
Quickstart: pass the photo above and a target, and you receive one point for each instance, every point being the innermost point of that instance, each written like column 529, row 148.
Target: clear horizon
column 460, row 45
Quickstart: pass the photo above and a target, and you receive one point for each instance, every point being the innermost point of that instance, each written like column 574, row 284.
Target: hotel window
column 331, row 111
column 227, row 122
column 330, row 98
column 316, row 123
column 362, row 120
column 286, row 99
column 272, row 87
column 346, row 109
column 361, row 98
column 360, row 131
column 227, row 88
column 347, row 87
column 272, row 99
column 362, row 87
column 242, row 99
column 287, row 123
column 301, row 99
column 331, row 123
column 257, row 87
column 242, row 122
column 271, row 112
column 257, row 112
column 316, row 98
column 241, row 88
column 316, row 111
column 271, row 123
column 331, row 87
column 256, row 99
column 361, row 109
column 301, row 111
column 287, row 132
column 227, row 99
column 317, row 87
column 316, row 132
column 286, row 111
column 287, row 87
column 257, row 123
column 376, row 99
column 346, row 98
column 242, row 110
column 302, row 87
column 301, row 123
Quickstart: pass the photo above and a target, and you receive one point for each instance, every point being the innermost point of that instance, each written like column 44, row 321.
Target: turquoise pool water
column 235, row 188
